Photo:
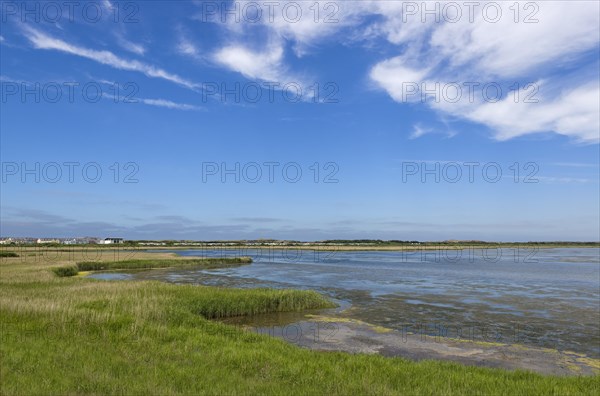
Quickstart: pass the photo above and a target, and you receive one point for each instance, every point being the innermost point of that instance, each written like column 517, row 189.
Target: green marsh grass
column 69, row 270
column 162, row 263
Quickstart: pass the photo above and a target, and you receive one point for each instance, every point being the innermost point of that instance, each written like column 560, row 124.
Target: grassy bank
column 74, row 335
column 205, row 263
column 202, row 263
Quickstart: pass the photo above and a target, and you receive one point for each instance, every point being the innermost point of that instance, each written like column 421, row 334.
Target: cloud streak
column 171, row 105
column 42, row 41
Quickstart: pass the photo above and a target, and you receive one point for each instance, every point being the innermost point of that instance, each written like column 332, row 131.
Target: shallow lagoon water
column 547, row 298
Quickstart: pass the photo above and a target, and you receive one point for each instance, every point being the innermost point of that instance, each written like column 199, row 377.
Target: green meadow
column 63, row 333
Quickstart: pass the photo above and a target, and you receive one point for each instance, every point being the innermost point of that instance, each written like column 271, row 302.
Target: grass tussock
column 82, row 336
column 66, row 271
column 8, row 254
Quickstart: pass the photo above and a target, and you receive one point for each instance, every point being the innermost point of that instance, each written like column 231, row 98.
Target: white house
column 108, row 241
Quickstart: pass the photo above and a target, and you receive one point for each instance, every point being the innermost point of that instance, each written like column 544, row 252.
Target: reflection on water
column 547, row 298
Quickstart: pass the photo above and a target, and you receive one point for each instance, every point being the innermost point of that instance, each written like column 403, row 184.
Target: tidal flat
column 80, row 335
column 506, row 311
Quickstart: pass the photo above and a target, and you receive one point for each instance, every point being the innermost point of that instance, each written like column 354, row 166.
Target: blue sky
column 167, row 92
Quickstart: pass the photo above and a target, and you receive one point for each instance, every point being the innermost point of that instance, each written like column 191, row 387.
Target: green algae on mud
column 328, row 332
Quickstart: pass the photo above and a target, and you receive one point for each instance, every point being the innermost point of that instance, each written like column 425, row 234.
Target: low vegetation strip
column 206, row 263
column 162, row 263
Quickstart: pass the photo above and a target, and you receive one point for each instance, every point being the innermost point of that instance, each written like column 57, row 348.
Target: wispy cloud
column 106, row 95
column 107, row 5
column 130, row 46
column 188, row 48
column 170, row 105
column 263, row 65
column 576, row 165
column 419, row 131
column 562, row 180
column 43, row 41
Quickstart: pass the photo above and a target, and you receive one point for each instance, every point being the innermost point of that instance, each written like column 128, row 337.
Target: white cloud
column 304, row 22
column 487, row 52
column 107, row 5
column 574, row 113
column 509, row 49
column 419, row 131
column 267, row 65
column 268, row 62
column 569, row 111
column 480, row 50
column 170, row 105
column 137, row 49
column 396, row 77
column 476, row 50
column 188, row 48
column 150, row 102
column 43, row 41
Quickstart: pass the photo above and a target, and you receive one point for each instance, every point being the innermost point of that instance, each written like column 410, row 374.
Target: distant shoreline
column 316, row 247
column 351, row 248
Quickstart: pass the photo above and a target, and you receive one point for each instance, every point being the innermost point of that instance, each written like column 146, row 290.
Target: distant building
column 109, row 241
column 40, row 240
